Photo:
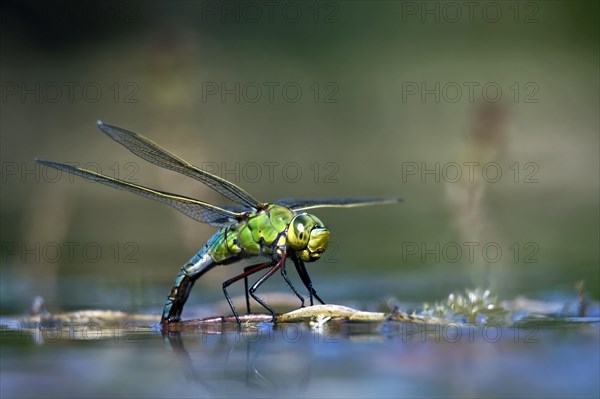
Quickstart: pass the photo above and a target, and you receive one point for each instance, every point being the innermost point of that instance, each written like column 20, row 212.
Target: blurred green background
column 335, row 99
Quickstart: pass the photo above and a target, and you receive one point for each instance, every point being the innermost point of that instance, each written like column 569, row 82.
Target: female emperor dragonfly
column 251, row 229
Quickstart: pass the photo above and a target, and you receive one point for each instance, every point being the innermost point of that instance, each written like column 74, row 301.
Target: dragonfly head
column 308, row 237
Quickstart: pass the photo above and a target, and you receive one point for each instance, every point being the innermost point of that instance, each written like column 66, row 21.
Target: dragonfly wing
column 153, row 153
column 304, row 204
column 197, row 210
column 237, row 208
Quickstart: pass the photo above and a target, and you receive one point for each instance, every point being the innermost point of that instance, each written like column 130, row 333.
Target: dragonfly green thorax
column 277, row 231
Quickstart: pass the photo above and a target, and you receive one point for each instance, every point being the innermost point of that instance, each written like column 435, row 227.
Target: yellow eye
column 299, row 231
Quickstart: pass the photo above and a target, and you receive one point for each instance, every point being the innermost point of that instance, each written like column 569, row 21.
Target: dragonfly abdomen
column 201, row 263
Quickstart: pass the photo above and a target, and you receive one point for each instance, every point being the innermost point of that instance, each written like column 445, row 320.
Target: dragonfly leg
column 247, row 272
column 283, row 273
column 261, row 280
column 287, row 280
column 246, row 288
column 303, row 273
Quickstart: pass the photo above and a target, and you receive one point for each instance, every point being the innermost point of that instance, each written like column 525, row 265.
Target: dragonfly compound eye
column 308, row 236
column 299, row 231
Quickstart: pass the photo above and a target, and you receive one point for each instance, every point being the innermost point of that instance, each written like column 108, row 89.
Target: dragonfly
column 249, row 229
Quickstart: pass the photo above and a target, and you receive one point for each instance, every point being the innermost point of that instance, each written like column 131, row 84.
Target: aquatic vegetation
column 474, row 306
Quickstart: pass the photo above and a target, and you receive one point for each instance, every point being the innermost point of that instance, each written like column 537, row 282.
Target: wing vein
column 195, row 209
column 153, row 153
column 349, row 202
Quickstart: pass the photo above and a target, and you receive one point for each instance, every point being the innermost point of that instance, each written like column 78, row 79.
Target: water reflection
column 336, row 358
column 267, row 360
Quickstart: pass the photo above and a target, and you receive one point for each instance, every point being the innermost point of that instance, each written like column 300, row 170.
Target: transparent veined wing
column 197, row 210
column 349, row 202
column 153, row 153
column 237, row 208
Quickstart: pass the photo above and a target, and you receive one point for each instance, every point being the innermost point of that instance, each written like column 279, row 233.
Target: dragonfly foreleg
column 303, row 273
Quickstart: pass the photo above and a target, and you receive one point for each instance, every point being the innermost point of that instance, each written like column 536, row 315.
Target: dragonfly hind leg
column 261, row 280
column 247, row 272
column 285, row 277
column 274, row 264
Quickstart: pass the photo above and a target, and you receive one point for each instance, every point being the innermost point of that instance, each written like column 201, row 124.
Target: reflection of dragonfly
column 220, row 361
column 250, row 229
